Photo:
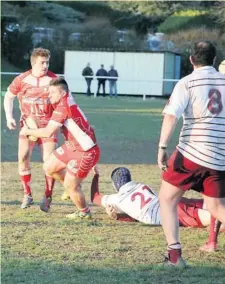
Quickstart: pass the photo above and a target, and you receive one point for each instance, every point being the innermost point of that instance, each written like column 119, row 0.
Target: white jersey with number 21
column 136, row 200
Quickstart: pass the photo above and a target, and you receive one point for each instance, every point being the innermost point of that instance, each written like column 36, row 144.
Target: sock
column 85, row 210
column 49, row 184
column 25, row 179
column 214, row 230
column 174, row 252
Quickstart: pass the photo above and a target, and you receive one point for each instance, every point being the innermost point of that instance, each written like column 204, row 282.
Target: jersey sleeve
column 178, row 100
column 15, row 86
column 59, row 115
column 111, row 199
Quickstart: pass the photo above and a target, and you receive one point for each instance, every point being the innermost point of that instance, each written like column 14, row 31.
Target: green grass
column 47, row 248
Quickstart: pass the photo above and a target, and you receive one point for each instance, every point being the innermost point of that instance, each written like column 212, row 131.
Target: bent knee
column 47, row 168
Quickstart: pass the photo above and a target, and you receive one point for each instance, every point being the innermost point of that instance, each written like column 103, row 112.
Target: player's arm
column 96, row 197
column 46, row 132
column 8, row 107
column 172, row 112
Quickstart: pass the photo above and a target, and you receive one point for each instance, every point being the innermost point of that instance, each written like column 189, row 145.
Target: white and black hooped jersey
column 136, row 200
column 200, row 99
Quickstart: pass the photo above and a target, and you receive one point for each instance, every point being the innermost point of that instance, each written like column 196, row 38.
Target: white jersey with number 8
column 200, row 99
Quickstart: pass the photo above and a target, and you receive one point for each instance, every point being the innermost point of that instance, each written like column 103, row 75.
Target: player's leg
column 77, row 170
column 47, row 147
column 169, row 197
column 54, row 168
column 214, row 198
column 25, row 147
column 216, row 207
column 73, row 186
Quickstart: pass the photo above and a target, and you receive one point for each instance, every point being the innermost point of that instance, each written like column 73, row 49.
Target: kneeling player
column 71, row 162
column 137, row 202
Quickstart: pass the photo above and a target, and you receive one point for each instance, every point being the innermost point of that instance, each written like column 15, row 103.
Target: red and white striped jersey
column 32, row 93
column 136, row 200
column 74, row 125
column 200, row 99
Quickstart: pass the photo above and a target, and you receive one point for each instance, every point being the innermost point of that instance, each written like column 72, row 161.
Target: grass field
column 47, row 248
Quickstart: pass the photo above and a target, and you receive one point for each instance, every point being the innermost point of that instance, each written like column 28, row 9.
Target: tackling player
column 136, row 201
column 199, row 159
column 31, row 89
column 70, row 163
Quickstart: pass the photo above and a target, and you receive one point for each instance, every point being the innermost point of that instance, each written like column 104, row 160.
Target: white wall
column 139, row 72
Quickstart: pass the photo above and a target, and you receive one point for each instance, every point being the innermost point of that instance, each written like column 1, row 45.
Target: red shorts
column 40, row 141
column 187, row 210
column 186, row 175
column 78, row 163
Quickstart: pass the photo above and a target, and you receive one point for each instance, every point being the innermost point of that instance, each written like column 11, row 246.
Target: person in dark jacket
column 101, row 81
column 113, row 81
column 87, row 71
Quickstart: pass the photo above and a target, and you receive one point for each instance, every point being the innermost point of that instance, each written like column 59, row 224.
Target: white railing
column 80, row 80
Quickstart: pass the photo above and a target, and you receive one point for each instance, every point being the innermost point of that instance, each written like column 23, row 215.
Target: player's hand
column 24, row 130
column 162, row 159
column 111, row 211
column 11, row 124
column 95, row 170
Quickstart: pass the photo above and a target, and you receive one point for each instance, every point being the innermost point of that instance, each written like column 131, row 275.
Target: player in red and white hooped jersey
column 199, row 161
column 136, row 201
column 71, row 162
column 31, row 89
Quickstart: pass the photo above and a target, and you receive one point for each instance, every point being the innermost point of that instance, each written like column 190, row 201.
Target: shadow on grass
column 21, row 270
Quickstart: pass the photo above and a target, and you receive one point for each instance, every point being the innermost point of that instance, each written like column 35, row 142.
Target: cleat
column 209, row 247
column 78, row 215
column 45, row 204
column 179, row 264
column 27, row 201
column 65, row 196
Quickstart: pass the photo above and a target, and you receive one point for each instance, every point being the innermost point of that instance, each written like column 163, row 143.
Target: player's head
column 39, row 60
column 58, row 88
column 120, row 176
column 203, row 54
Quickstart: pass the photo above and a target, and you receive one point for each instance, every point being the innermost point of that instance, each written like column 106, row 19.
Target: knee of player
column 213, row 204
column 23, row 157
column 71, row 186
column 47, row 168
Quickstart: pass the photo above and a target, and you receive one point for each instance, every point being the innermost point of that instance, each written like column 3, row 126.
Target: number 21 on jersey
column 141, row 195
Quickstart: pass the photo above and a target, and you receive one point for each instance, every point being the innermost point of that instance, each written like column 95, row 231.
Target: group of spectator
column 102, row 75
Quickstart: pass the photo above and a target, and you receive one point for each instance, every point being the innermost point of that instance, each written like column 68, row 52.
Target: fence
column 149, row 85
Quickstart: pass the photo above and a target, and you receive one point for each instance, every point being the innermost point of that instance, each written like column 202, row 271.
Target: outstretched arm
column 96, row 197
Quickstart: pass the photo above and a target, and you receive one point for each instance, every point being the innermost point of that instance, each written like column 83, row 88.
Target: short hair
column 203, row 53
column 42, row 52
column 102, row 65
column 60, row 82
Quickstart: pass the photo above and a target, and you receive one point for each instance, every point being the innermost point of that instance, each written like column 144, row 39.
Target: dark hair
column 203, row 53
column 60, row 82
column 120, row 176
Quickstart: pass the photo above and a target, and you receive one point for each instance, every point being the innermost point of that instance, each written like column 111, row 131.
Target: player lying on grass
column 136, row 201
column 70, row 163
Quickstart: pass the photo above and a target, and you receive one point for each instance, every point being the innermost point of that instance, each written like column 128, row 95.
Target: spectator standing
column 87, row 71
column 113, row 81
column 101, row 81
